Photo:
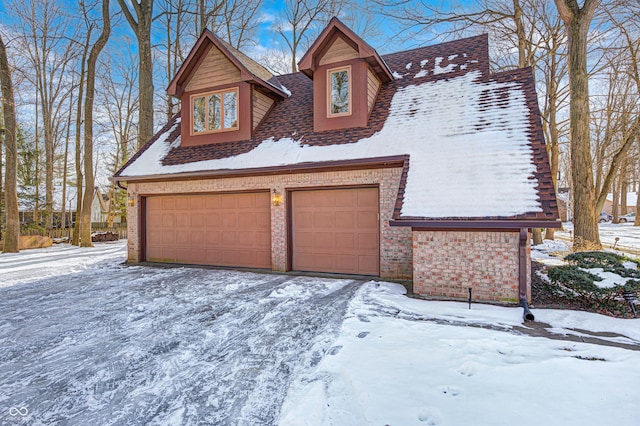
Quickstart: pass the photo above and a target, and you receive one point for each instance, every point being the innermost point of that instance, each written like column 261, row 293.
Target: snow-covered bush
column 573, row 282
column 608, row 261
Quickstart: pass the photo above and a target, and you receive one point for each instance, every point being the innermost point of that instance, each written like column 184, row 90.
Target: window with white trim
column 215, row 111
column 339, row 87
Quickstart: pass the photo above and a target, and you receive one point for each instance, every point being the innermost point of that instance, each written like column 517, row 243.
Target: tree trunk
column 48, row 164
column 77, row 227
column 12, row 234
column 636, row 222
column 585, row 217
column 142, row 28
column 522, row 39
column 615, row 202
column 85, row 237
column 537, row 236
column 623, row 187
column 145, row 132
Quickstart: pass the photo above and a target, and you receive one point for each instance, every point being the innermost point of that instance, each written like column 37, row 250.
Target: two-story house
column 415, row 165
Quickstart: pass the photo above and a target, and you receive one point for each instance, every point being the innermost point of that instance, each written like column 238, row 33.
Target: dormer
column 347, row 74
column 224, row 94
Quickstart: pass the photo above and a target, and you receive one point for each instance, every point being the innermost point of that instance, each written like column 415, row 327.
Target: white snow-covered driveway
column 109, row 344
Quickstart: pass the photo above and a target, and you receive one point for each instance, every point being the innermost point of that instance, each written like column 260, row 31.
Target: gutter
column 361, row 163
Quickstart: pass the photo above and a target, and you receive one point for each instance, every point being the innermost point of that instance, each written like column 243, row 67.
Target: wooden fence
column 120, row 229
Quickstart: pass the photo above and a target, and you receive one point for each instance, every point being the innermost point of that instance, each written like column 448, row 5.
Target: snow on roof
column 632, row 198
column 469, row 157
column 26, row 198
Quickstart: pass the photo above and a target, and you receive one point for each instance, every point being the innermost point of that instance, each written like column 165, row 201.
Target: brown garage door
column 336, row 230
column 212, row 229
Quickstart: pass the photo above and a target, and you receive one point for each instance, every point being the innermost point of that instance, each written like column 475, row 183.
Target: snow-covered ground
column 627, row 234
column 90, row 341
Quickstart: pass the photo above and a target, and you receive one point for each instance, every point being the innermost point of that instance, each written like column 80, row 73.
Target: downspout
column 522, row 274
column 119, row 183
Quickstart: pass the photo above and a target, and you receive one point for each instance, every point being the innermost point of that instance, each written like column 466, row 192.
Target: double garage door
column 333, row 230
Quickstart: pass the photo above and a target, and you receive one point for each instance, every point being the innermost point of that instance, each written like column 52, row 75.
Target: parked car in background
column 630, row 217
column 605, row 217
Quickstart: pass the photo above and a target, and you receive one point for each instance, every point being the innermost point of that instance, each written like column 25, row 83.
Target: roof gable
column 338, row 32
column 211, row 47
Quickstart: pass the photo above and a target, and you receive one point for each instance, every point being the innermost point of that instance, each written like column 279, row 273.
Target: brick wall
column 395, row 242
column 447, row 263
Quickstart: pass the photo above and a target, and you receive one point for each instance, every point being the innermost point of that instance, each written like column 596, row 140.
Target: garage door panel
column 197, row 238
column 228, row 203
column 345, row 241
column 183, row 238
column 154, row 204
column 246, row 201
column 346, row 198
column 169, row 203
column 336, row 230
column 168, row 220
column 368, row 241
column 345, row 219
column 246, row 238
column 368, row 265
column 182, row 203
column 199, row 257
column 168, row 237
column 324, row 240
column 213, row 220
column 368, row 220
column 263, row 222
column 368, row 199
column 212, row 202
column 303, row 219
column 324, row 219
column 214, row 229
column 154, row 238
column 195, row 203
column 213, row 238
column 348, row 263
column 229, row 219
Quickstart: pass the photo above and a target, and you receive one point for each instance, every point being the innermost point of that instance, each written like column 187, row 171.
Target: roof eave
column 361, row 163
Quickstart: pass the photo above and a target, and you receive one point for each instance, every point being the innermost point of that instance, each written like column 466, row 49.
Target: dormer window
column 215, row 112
column 339, row 91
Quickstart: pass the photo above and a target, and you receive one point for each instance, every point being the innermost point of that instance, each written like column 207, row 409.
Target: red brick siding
column 447, row 263
column 395, row 242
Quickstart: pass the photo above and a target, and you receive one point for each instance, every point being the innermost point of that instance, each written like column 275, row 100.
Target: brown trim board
column 357, row 164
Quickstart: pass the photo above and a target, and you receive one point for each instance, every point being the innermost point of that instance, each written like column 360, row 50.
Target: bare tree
column 585, row 219
column 12, row 234
column 141, row 26
column 298, row 19
column 90, row 25
column 49, row 52
column 85, row 215
column 121, row 105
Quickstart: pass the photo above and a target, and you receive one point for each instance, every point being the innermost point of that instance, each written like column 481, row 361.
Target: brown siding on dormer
column 339, row 51
column 215, row 70
column 373, row 85
column 245, row 108
column 261, row 105
column 359, row 107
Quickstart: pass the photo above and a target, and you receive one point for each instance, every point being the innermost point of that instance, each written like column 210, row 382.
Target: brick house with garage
column 418, row 165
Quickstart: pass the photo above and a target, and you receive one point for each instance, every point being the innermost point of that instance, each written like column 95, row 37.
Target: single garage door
column 212, row 229
column 336, row 230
